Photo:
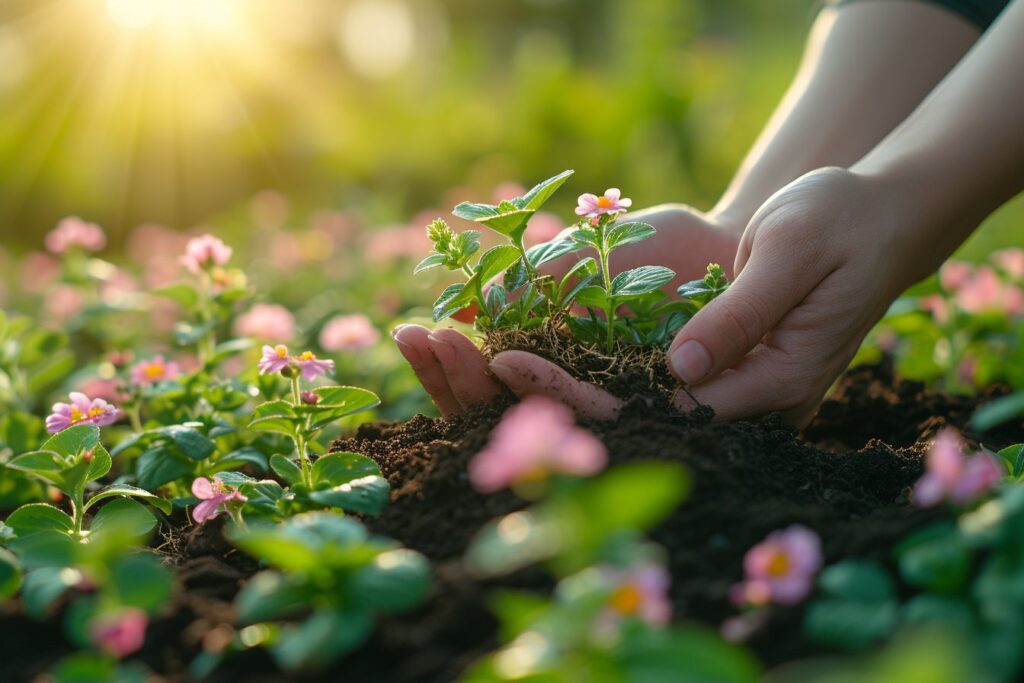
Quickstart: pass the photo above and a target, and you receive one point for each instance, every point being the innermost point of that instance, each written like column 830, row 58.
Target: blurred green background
column 178, row 111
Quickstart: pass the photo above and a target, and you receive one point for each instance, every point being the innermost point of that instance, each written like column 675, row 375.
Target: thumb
column 724, row 331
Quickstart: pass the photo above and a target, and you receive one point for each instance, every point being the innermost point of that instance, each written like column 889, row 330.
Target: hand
column 817, row 267
column 457, row 376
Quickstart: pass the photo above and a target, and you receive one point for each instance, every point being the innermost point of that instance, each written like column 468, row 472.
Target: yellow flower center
column 95, row 412
column 626, row 599
column 76, row 414
column 153, row 371
column 281, row 351
column 307, row 355
column 604, row 203
column 779, row 564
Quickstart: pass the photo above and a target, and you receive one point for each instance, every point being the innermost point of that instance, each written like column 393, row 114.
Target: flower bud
column 310, row 398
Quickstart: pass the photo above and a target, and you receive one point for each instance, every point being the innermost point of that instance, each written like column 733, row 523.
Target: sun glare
column 139, row 14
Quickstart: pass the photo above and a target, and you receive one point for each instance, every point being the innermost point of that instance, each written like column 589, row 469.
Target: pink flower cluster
column 156, row 369
column 348, row 333
column 612, row 201
column 204, row 252
column 954, row 477
column 780, row 569
column 120, row 634
column 276, row 358
column 214, row 497
column 81, row 410
column 639, row 592
column 535, row 438
column 266, row 322
column 979, row 290
column 74, row 232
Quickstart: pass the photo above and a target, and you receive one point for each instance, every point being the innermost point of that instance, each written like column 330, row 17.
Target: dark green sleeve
column 979, row 12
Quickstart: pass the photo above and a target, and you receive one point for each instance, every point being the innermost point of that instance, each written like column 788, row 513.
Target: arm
column 821, row 261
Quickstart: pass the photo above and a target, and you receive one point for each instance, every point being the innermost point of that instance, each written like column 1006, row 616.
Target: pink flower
column 954, row 274
column 74, row 232
column 951, row 476
column 275, row 359
column 612, row 201
column 38, row 271
column 204, row 252
column 64, row 302
column 937, row 305
column 107, row 389
column 982, row 292
column 312, row 367
column 214, row 497
column 156, row 369
column 266, row 321
column 534, row 438
column 81, row 410
column 310, row 398
column 348, row 333
column 120, row 634
column 1010, row 260
column 781, row 568
column 640, row 593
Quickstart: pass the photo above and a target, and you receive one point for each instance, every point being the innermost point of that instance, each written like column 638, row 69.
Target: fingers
column 464, row 367
column 724, row 331
column 524, row 373
column 412, row 341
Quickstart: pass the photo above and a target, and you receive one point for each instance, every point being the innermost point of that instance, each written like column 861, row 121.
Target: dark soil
column 847, row 476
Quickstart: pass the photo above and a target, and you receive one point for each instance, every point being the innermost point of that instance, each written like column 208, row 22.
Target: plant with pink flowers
column 780, row 569
column 951, row 476
column 525, row 298
column 215, row 497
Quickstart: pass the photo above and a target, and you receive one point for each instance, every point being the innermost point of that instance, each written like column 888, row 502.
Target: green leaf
column 229, row 348
column 350, row 399
column 397, row 580
column 73, row 440
column 188, row 440
column 495, row 260
column 997, row 412
column 10, row 574
column 622, row 234
column 636, row 495
column 432, row 261
column 452, row 300
column 270, row 596
column 161, row 465
column 140, row 580
column 126, row 490
column 263, row 496
column 690, row 655
column 936, row 559
column 858, row 580
column 592, row 296
column 472, row 212
column 849, row 624
column 44, row 464
column 44, row 549
column 123, row 516
column 512, row 224
column 304, row 542
column 543, row 190
column 275, row 416
column 366, row 495
column 549, row 251
column 325, row 636
column 183, row 294
column 42, row 587
column 246, row 455
column 36, row 517
column 1013, row 456
column 338, row 468
column 640, row 280
column 286, row 468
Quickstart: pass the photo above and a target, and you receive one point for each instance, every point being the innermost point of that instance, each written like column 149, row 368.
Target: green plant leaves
column 549, row 251
column 365, row 495
column 322, row 638
column 1013, row 456
column 286, row 468
column 452, row 300
column 859, row 605
column 10, row 574
column 542, row 191
column 123, row 516
column 35, row 517
column 270, row 595
column 125, row 490
column 395, row 581
column 936, row 558
column 432, row 261
column 494, row 261
column 622, row 234
column 339, row 468
column 640, row 281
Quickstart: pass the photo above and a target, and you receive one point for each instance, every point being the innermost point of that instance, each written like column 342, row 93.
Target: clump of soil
column 624, row 371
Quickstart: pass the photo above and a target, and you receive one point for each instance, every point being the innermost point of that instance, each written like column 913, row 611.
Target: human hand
column 457, row 376
column 817, row 267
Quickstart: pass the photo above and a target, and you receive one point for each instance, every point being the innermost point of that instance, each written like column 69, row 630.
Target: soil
column 847, row 476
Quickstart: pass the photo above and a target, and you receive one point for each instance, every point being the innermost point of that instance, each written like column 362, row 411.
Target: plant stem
column 300, row 438
column 78, row 508
column 602, row 254
column 531, row 272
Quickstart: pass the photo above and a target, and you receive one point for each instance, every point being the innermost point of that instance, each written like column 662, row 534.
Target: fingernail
column 444, row 351
column 691, row 362
column 394, row 332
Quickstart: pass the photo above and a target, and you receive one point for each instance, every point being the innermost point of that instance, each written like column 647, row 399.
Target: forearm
column 866, row 66
column 961, row 154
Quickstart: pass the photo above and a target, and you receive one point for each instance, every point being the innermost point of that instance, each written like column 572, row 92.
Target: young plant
column 70, row 460
column 329, row 581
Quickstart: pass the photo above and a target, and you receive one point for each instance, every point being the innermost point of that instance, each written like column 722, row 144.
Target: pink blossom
column 74, row 232
column 543, row 227
column 204, row 252
column 274, row 359
column 310, row 398
column 639, row 592
column 397, row 242
column 107, row 389
column 937, row 305
column 954, row 274
column 64, row 302
column 312, row 367
column 348, row 333
column 120, row 634
column 38, row 271
column 81, row 410
column 266, row 321
column 781, row 568
column 612, row 201
column 534, row 438
column 982, row 292
column 949, row 475
column 156, row 369
column 1010, row 260
column 214, row 497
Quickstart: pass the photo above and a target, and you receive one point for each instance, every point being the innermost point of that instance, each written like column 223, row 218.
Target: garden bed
column 847, row 476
